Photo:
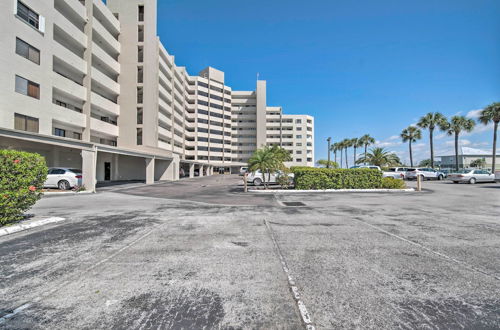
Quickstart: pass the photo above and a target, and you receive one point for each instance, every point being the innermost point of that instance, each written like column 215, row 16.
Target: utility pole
column 328, row 164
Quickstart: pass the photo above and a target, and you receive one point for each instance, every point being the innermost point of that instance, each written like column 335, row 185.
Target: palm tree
column 492, row 114
column 380, row 157
column 411, row 134
column 347, row 144
column 268, row 159
column 366, row 140
column 340, row 146
column 430, row 121
column 356, row 143
column 325, row 163
column 335, row 148
column 456, row 125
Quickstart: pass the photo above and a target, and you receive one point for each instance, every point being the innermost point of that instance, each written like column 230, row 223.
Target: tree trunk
column 341, row 159
column 456, row 151
column 411, row 156
column 335, row 155
column 346, row 160
column 495, row 127
column 366, row 146
column 354, row 156
column 431, row 131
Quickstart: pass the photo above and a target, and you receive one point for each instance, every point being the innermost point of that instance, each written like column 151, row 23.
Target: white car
column 257, row 179
column 243, row 170
column 425, row 173
column 396, row 172
column 471, row 176
column 63, row 178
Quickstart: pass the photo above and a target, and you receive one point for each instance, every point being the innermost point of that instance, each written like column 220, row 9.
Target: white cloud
column 479, row 128
column 440, row 136
column 394, row 137
column 473, row 113
column 461, row 142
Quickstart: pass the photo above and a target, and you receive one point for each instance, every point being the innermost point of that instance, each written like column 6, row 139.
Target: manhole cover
column 294, row 204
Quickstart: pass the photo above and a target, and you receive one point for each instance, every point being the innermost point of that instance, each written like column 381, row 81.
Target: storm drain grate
column 293, row 204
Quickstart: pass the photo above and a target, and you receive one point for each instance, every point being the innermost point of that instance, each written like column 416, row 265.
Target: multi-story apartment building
column 90, row 85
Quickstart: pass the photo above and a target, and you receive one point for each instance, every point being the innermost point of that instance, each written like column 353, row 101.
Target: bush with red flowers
column 22, row 175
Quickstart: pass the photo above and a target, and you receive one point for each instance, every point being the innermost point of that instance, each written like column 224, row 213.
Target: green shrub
column 284, row 179
column 22, row 175
column 391, row 183
column 327, row 178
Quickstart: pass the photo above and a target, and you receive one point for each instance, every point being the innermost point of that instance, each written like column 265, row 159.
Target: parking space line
column 304, row 314
column 439, row 254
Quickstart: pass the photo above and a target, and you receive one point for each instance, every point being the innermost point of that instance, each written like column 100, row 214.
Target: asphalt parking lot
column 197, row 254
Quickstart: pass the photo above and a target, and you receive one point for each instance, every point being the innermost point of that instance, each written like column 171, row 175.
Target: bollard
column 245, row 187
column 419, row 183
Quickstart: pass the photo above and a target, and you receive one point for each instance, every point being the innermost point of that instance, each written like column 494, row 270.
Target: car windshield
column 411, row 170
column 74, row 170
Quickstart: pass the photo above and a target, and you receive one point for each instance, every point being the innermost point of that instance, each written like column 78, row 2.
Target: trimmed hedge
column 309, row 178
column 22, row 176
column 391, row 183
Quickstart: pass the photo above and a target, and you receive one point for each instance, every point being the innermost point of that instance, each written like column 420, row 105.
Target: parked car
column 471, row 176
column 385, row 174
column 396, row 172
column 257, row 179
column 243, row 170
column 425, row 173
column 446, row 172
column 63, row 178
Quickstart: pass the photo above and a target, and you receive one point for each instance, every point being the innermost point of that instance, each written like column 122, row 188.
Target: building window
column 25, row 123
column 140, row 32
column 77, row 135
column 59, row 132
column 27, row 51
column 139, row 136
column 141, row 13
column 139, row 116
column 140, row 54
column 298, row 121
column 299, row 144
column 298, row 160
column 298, row 136
column 28, row 15
column 299, row 128
column 26, row 87
column 140, row 75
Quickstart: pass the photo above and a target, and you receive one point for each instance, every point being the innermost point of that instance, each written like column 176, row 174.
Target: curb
column 65, row 193
column 17, row 228
column 292, row 191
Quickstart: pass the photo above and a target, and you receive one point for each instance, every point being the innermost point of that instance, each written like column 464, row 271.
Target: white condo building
column 89, row 85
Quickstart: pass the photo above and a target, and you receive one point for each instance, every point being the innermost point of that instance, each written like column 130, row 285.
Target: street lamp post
column 328, row 164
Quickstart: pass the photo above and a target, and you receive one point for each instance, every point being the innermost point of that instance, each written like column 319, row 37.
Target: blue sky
column 357, row 66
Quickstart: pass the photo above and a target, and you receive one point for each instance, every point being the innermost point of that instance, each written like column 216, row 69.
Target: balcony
column 68, row 116
column 163, row 91
column 104, row 104
column 107, row 37
column 70, row 30
column 70, row 58
column 105, row 82
column 103, row 127
column 68, row 86
column 165, row 119
column 164, row 131
column 109, row 61
column 164, row 145
column 113, row 23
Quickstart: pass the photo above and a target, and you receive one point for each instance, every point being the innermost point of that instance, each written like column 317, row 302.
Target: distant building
column 466, row 156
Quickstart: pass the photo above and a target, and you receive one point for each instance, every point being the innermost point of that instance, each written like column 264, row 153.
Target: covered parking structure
column 192, row 168
column 98, row 162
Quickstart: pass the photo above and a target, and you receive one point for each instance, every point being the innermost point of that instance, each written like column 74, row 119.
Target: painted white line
column 304, row 314
column 14, row 312
column 293, row 191
column 444, row 256
column 16, row 228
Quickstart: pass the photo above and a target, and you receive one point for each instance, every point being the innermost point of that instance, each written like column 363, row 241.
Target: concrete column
column 191, row 170
column 150, row 170
column 201, row 170
column 89, row 159
column 211, row 170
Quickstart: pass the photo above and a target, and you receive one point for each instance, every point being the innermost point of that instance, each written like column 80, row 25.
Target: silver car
column 471, row 176
column 425, row 173
column 257, row 179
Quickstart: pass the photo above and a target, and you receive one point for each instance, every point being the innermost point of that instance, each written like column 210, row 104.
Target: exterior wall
column 90, row 73
column 465, row 160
